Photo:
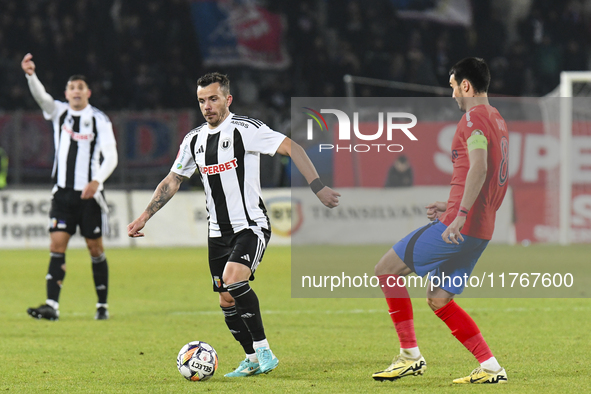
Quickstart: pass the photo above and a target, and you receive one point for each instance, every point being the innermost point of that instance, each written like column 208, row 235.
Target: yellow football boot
column 480, row 375
column 400, row 367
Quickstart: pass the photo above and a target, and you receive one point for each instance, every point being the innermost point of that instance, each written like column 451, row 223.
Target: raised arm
column 325, row 194
column 37, row 89
column 163, row 193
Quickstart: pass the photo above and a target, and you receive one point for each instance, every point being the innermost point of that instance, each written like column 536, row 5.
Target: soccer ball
column 197, row 361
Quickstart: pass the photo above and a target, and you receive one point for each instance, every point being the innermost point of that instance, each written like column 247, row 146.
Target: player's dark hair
column 475, row 70
column 77, row 77
column 210, row 78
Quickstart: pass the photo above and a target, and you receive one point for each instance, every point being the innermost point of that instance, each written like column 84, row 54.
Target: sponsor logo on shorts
column 179, row 166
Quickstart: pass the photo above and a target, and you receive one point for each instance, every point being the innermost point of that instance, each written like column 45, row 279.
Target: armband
column 477, row 141
column 316, row 185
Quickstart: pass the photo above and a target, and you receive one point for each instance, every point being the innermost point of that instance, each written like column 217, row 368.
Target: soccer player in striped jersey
column 81, row 134
column 449, row 247
column 225, row 152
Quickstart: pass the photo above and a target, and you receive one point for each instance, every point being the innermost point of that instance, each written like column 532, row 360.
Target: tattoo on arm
column 164, row 192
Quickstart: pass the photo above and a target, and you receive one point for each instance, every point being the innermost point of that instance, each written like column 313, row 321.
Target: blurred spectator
column 148, row 49
column 400, row 173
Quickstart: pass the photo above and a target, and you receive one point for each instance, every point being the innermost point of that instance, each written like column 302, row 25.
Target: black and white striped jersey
column 80, row 137
column 228, row 161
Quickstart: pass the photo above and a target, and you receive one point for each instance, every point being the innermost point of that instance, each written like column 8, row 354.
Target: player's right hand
column 436, row 209
column 328, row 197
column 28, row 65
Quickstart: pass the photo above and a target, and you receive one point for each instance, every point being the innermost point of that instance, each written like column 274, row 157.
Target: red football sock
column 465, row 330
column 400, row 309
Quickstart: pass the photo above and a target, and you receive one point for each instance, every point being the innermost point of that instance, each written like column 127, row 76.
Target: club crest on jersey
column 219, row 168
column 226, row 143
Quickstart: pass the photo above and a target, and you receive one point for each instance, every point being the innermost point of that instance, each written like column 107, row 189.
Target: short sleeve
column 264, row 140
column 184, row 164
column 58, row 109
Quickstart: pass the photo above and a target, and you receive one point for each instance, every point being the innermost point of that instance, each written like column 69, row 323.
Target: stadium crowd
column 145, row 55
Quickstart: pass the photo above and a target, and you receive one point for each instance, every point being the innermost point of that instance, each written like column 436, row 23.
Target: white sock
column 54, row 304
column 252, row 358
column 99, row 305
column 259, row 344
column 412, row 352
column 491, row 365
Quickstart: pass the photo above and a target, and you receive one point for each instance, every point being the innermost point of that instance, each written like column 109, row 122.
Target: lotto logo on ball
column 197, row 361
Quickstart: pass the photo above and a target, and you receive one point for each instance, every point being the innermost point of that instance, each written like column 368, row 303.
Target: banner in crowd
column 239, row 33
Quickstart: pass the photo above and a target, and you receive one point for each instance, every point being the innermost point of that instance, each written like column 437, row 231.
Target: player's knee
column 437, row 303
column 57, row 247
column 381, row 268
column 376, row 269
column 95, row 248
column 226, row 300
column 95, row 251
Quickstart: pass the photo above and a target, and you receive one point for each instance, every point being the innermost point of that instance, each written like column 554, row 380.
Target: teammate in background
column 225, row 151
column 458, row 234
column 81, row 134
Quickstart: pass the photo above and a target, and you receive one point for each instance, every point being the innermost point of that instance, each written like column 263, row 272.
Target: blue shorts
column 425, row 252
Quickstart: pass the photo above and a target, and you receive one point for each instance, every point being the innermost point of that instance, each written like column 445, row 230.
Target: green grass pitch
column 161, row 299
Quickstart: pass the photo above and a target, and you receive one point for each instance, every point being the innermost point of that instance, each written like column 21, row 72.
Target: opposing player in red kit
column 460, row 230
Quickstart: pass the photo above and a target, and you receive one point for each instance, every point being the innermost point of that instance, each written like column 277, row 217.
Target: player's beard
column 461, row 103
column 221, row 117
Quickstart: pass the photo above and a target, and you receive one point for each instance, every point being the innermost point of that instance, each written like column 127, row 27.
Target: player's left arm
column 478, row 153
column 325, row 194
column 108, row 146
